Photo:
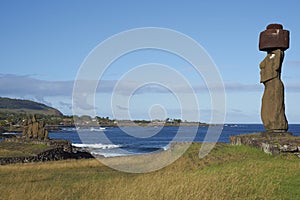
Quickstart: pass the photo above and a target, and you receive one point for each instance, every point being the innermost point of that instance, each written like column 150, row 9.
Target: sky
column 43, row 45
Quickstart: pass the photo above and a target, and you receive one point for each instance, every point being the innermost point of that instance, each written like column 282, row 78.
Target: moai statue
column 43, row 133
column 25, row 128
column 35, row 128
column 29, row 129
column 274, row 41
column 46, row 135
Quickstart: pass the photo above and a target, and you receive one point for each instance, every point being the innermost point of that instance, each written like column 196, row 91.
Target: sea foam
column 98, row 146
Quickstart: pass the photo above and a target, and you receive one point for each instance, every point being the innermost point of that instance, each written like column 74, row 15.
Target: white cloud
column 62, row 104
column 294, row 63
column 17, row 85
column 25, row 85
column 239, row 87
column 122, row 107
column 59, row 94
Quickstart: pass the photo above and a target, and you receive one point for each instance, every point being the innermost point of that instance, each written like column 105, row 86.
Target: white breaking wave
column 97, row 129
column 109, row 155
column 68, row 129
column 98, row 146
column 165, row 148
column 88, row 128
column 9, row 133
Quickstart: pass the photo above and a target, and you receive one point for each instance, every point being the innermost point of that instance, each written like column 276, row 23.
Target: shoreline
column 20, row 150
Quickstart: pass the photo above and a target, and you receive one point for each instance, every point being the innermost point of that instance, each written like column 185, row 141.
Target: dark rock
column 60, row 150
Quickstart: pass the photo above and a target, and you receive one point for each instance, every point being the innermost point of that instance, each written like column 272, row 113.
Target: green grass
column 4, row 153
column 13, row 149
column 228, row 172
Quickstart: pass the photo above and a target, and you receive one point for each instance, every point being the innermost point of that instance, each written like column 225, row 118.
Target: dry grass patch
column 228, row 172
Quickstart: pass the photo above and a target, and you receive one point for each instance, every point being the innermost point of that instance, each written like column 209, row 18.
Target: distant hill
column 8, row 105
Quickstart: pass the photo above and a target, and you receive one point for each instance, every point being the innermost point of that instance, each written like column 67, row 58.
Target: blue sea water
column 115, row 141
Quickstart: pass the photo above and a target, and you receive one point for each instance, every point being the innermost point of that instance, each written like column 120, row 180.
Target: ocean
column 126, row 141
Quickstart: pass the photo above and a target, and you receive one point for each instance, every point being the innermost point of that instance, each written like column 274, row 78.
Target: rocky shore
column 20, row 150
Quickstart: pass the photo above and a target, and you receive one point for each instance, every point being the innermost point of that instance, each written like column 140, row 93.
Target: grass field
column 13, row 149
column 228, row 172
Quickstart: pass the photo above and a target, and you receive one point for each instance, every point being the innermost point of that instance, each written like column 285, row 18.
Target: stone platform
column 271, row 143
